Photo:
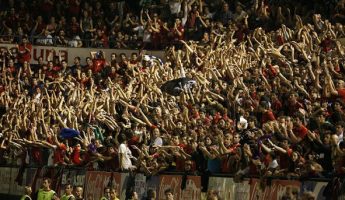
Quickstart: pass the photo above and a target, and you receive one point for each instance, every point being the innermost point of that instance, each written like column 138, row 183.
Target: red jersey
column 24, row 53
column 98, row 65
column 341, row 94
column 59, row 154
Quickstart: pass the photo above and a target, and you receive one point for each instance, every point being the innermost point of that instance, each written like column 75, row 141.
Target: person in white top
column 340, row 132
column 156, row 139
column 125, row 154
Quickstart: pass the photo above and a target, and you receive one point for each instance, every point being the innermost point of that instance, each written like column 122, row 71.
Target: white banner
column 69, row 53
column 5, row 180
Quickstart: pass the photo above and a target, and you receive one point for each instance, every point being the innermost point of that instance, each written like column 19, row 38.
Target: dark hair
column 48, row 179
column 121, row 138
column 168, row 191
column 342, row 145
column 340, row 123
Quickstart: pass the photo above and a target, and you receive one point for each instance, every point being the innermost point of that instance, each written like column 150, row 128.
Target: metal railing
column 80, row 42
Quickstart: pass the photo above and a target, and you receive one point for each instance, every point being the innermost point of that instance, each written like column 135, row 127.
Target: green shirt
column 25, row 197
column 45, row 195
column 68, row 197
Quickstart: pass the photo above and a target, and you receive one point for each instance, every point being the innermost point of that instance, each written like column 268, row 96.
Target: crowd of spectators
column 149, row 24
column 268, row 97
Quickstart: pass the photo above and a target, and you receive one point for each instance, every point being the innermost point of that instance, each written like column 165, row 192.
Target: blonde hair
column 28, row 190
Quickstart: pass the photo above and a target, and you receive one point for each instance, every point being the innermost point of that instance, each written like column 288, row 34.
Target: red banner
column 274, row 191
column 172, row 182
column 95, row 183
column 193, row 188
column 287, row 188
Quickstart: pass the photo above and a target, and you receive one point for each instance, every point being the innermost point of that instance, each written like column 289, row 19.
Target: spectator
column 257, row 104
column 45, row 38
column 46, row 192
column 8, row 37
column 125, row 155
column 24, row 50
column 79, row 193
column 27, row 195
column 39, row 27
column 113, row 195
column 68, row 193
column 225, row 15
column 60, row 39
column 169, row 194
column 52, row 26
column 86, row 27
column 107, row 194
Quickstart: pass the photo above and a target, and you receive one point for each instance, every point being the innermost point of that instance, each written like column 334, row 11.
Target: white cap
column 147, row 58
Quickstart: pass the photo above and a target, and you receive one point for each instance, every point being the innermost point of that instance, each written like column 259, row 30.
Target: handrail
column 223, row 175
column 86, row 43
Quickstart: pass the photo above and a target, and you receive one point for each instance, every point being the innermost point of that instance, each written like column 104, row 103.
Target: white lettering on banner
column 79, row 180
column 68, row 53
column 191, row 191
column 173, row 184
column 140, row 185
column 64, row 178
column 16, row 189
column 38, row 52
column 224, row 186
column 97, row 181
column 285, row 187
column 242, row 190
column 281, row 191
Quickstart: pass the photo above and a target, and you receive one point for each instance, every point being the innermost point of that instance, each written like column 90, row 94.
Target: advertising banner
column 172, row 182
column 193, row 188
column 277, row 189
column 225, row 187
column 140, row 185
column 286, row 188
column 5, row 180
column 16, row 189
column 316, row 188
column 95, row 182
column 30, row 176
column 152, row 184
column 73, row 177
column 127, row 184
column 242, row 190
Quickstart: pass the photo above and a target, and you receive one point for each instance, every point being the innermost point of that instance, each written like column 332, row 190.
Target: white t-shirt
column 74, row 42
column 126, row 156
column 158, row 141
column 140, row 29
